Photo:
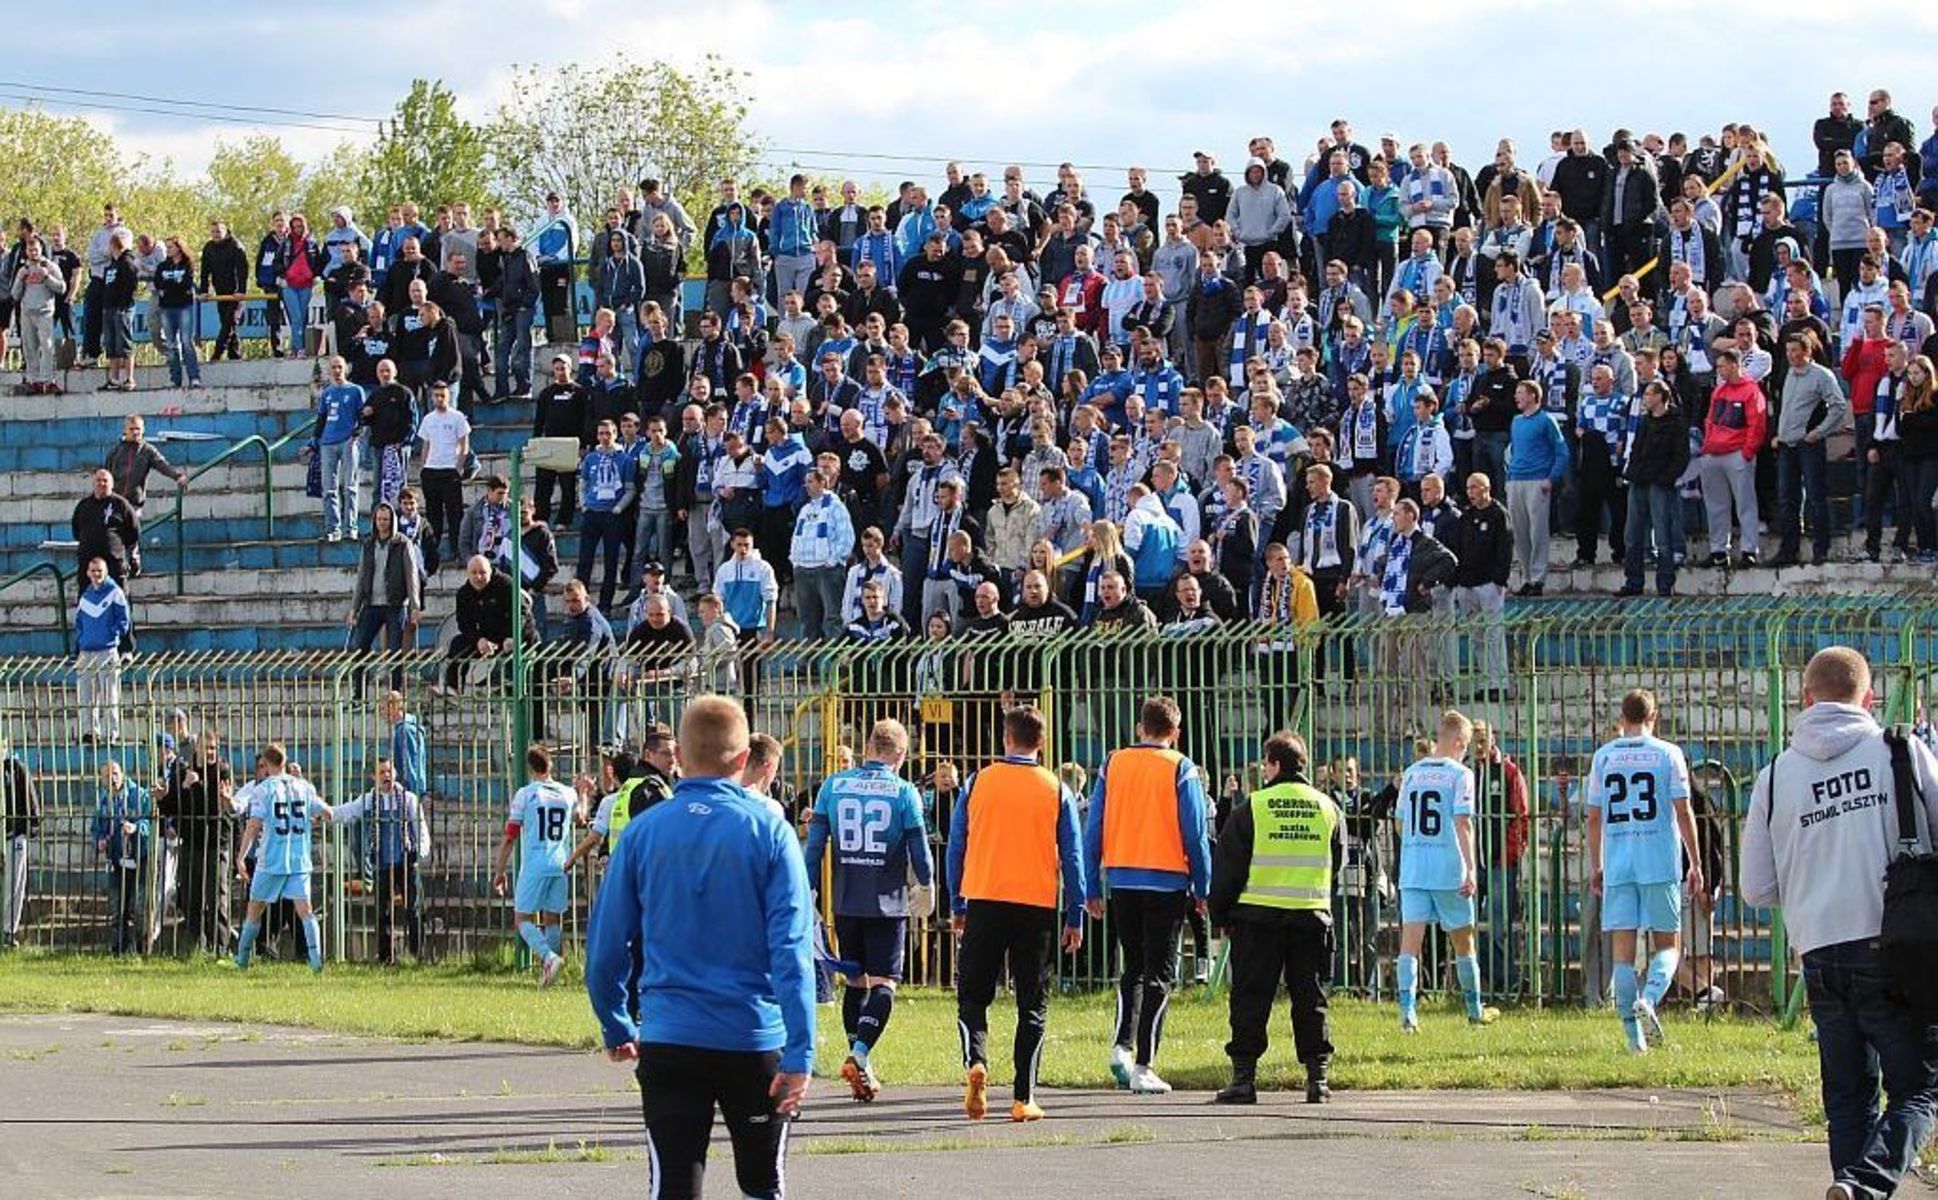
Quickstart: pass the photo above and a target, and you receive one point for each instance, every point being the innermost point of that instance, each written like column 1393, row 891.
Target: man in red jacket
column 1736, row 428
column 1501, row 803
column 1864, row 367
column 1082, row 292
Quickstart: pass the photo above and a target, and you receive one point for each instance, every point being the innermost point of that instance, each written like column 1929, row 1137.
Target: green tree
column 428, row 153
column 250, row 179
column 587, row 131
column 57, row 170
column 337, row 178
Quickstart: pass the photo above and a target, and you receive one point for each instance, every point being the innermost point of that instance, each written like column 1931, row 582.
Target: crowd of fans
column 1376, row 375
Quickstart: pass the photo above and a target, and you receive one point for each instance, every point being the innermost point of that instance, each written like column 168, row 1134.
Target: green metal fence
column 1362, row 691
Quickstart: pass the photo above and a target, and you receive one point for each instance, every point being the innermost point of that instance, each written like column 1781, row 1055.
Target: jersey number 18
column 551, row 824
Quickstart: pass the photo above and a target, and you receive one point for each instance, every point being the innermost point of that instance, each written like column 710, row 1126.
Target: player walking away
column 540, row 824
column 1437, row 867
column 1012, row 835
column 875, row 817
column 1640, row 828
column 282, row 813
column 1146, row 839
column 710, row 889
column 1271, row 889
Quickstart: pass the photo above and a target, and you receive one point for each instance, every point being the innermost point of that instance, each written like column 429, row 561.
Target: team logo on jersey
column 698, row 809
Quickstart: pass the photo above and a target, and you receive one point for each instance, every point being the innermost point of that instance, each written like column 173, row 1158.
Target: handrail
column 269, row 449
column 60, row 594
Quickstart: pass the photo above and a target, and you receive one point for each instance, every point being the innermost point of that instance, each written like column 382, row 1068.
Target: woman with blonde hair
column 1103, row 551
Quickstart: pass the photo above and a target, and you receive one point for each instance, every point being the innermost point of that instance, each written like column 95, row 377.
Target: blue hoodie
column 792, row 228
column 712, row 890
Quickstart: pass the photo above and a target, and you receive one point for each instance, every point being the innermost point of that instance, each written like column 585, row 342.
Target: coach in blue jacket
column 712, row 889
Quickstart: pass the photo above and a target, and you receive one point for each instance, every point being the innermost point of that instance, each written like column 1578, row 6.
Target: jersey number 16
column 1426, row 813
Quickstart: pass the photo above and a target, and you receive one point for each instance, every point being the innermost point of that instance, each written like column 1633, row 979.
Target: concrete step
column 239, row 475
column 84, row 386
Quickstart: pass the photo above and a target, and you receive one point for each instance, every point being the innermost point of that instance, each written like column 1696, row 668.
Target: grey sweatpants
column 1528, row 503
column 1729, row 480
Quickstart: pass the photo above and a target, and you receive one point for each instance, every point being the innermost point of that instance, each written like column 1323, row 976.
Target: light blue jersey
column 288, row 808
column 1635, row 783
column 1433, row 792
column 542, row 811
column 874, row 819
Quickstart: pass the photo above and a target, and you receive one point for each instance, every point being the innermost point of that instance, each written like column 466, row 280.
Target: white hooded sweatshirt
column 1822, row 852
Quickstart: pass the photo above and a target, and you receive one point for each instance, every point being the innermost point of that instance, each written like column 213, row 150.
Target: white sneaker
column 1840, row 1191
column 1144, row 1082
column 1645, row 1017
column 1409, row 1023
column 1121, row 1062
column 549, row 973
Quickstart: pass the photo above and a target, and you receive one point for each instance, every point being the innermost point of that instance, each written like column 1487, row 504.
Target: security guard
column 648, row 781
column 1146, row 841
column 1271, row 890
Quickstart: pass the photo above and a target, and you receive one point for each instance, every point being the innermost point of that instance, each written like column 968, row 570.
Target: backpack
column 1908, row 936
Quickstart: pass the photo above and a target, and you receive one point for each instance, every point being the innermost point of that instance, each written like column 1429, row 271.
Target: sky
column 884, row 92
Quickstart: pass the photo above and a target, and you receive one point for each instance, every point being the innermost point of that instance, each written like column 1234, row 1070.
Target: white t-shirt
column 442, row 431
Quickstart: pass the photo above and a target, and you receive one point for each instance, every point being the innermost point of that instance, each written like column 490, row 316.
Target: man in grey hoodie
column 1821, row 830
column 1259, row 213
column 1847, row 210
column 1813, row 407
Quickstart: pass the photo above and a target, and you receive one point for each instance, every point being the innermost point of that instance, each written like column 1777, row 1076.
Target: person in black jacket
column 462, row 301
column 1579, row 179
column 484, row 619
column 411, row 266
column 106, row 527
column 390, row 414
column 1430, row 564
column 225, row 272
column 927, row 287
column 1656, row 460
column 424, row 343
column 560, row 413
column 661, row 373
column 1627, row 211
column 20, row 816
column 1885, row 125
column 268, row 253
column 1835, row 132
column 1210, row 309
column 117, row 315
column 517, row 299
column 1483, row 542
column 1208, row 185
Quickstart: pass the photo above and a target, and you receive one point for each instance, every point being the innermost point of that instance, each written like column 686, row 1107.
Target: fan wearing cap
column 1206, row 184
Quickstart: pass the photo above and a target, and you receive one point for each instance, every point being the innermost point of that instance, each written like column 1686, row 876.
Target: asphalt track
column 94, row 1106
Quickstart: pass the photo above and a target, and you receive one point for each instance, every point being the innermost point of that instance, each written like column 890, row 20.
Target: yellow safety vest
column 622, row 810
column 1293, row 827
